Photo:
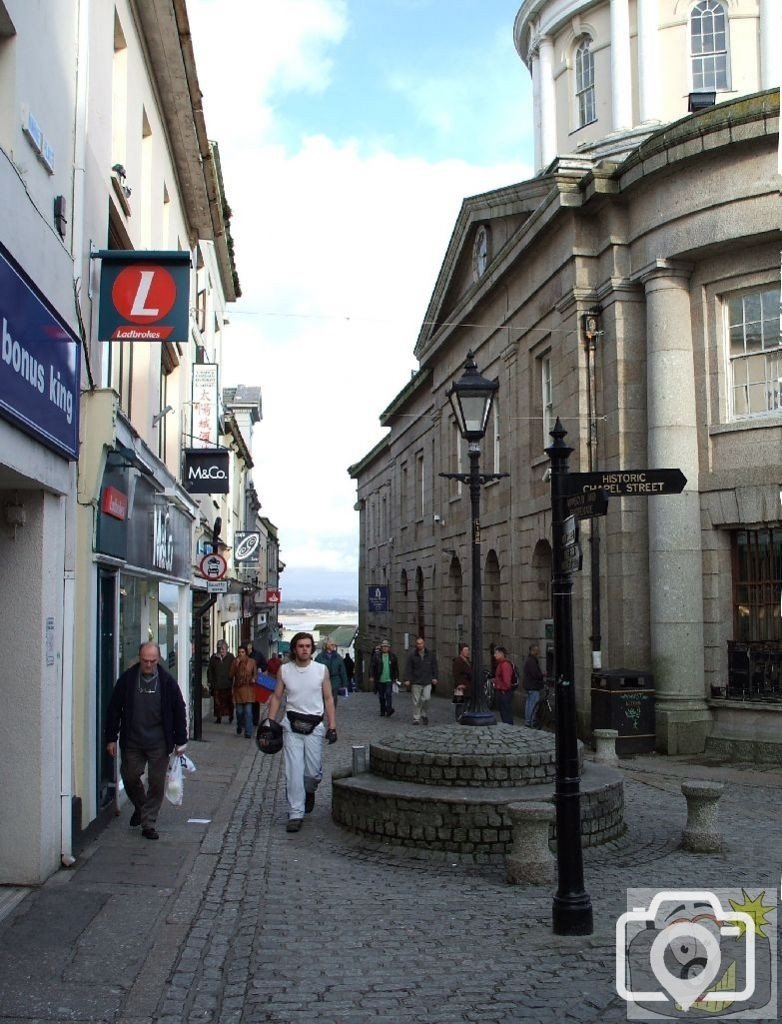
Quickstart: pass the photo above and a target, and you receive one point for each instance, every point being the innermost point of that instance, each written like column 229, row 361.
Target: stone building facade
column 670, row 237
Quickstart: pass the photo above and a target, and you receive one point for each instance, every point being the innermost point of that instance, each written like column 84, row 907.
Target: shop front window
column 138, row 617
column 168, row 626
column 755, row 655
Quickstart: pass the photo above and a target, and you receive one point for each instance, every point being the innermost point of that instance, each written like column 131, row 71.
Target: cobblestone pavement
column 322, row 926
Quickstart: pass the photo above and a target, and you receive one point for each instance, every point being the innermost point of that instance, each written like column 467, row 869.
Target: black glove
column 331, row 735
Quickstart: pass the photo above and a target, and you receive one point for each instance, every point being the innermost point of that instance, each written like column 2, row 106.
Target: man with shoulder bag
column 306, row 686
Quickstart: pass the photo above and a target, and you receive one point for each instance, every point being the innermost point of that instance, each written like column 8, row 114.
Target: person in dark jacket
column 147, row 711
column 532, row 681
column 350, row 668
column 421, row 673
column 332, row 659
column 218, row 676
column 383, row 673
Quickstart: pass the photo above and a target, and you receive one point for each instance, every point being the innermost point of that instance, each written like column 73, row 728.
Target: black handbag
column 303, row 724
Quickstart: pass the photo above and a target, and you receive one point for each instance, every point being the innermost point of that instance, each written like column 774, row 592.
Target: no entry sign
column 144, row 296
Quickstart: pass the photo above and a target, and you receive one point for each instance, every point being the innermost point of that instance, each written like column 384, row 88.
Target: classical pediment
column 485, row 229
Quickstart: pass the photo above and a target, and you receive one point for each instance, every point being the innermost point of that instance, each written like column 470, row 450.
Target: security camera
column 547, row 475
column 436, row 518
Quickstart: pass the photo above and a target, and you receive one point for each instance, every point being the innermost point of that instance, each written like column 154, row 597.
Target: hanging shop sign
column 114, row 503
column 144, row 296
column 39, row 363
column 246, row 547
column 273, row 596
column 203, row 428
column 206, row 470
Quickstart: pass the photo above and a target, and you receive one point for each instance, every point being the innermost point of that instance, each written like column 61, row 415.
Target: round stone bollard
column 605, row 745
column 530, row 862
column 701, row 834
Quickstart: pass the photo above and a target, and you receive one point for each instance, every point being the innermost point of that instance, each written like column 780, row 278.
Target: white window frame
column 584, row 68
column 711, row 84
column 753, row 351
column 420, row 482
column 495, row 435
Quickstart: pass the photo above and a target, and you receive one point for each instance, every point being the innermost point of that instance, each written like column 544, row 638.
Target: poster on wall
column 204, row 406
column 144, row 296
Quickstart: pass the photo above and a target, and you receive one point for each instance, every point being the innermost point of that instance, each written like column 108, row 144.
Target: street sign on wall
column 377, row 598
column 144, row 296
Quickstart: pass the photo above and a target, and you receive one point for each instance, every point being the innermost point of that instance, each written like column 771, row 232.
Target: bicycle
column 543, row 717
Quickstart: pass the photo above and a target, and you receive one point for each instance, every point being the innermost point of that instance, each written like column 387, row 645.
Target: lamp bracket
column 483, row 478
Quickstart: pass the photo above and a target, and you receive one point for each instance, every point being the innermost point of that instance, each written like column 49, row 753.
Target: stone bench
column 701, row 834
column 529, row 860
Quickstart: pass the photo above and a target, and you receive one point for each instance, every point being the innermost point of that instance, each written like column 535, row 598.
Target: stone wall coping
column 595, row 777
column 723, row 704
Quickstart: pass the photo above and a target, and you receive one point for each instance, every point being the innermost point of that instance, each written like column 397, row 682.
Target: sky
column 349, row 133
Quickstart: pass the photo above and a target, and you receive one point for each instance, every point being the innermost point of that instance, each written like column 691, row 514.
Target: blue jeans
column 533, row 696
column 244, row 717
column 385, row 694
column 504, row 701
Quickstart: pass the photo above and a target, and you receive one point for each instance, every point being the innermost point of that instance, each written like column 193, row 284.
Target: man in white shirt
column 306, row 686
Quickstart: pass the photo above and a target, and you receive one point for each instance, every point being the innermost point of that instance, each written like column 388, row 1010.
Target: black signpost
column 576, row 496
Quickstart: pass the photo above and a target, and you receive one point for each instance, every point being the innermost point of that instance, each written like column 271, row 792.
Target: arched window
column 709, row 46
column 585, row 82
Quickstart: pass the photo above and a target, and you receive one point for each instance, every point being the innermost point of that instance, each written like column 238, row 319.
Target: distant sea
column 306, row 618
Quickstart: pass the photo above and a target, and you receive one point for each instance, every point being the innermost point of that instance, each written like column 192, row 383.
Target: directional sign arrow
column 587, row 504
column 627, row 482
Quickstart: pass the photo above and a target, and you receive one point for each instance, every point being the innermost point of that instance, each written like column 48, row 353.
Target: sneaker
column 294, row 825
column 390, row 712
column 309, row 802
column 424, row 719
column 416, row 722
column 150, row 833
column 135, row 818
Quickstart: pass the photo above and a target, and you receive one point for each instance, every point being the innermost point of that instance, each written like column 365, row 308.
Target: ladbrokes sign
column 206, row 470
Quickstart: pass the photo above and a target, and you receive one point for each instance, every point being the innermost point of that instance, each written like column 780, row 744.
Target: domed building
column 631, row 289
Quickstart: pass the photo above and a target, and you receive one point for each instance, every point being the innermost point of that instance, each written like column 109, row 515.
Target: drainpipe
column 69, row 582
column 591, row 330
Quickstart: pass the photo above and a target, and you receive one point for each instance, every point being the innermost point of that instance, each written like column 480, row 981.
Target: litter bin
column 623, row 699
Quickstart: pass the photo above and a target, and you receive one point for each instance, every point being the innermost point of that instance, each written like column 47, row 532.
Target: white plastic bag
column 175, row 787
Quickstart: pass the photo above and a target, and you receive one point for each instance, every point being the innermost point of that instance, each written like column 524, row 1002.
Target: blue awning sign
column 39, row 363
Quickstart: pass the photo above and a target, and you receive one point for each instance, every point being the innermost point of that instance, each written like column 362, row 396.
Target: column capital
column 661, row 268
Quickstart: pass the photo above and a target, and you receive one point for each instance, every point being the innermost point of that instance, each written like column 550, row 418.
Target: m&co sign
column 144, row 296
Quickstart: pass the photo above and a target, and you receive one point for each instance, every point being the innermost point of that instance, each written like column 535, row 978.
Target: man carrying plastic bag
column 148, row 712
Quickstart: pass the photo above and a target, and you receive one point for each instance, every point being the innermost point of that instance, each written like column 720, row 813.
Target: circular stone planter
column 447, row 789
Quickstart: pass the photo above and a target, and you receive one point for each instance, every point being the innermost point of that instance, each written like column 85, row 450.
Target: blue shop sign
column 39, row 363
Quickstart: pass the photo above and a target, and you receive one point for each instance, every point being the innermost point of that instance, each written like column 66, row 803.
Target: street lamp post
column 471, row 398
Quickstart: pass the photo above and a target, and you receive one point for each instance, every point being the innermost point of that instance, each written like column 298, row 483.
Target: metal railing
column 754, row 671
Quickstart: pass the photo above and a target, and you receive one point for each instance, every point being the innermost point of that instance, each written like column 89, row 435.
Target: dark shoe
column 309, row 802
column 424, row 719
column 150, row 833
column 135, row 818
column 382, row 714
column 390, row 712
column 294, row 825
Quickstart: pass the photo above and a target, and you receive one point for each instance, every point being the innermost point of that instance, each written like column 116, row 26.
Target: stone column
column 621, row 92
column 675, row 560
column 770, row 35
column 648, row 83
column 548, row 102
column 535, row 69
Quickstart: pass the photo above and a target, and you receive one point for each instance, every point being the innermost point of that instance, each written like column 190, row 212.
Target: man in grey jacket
column 421, row 674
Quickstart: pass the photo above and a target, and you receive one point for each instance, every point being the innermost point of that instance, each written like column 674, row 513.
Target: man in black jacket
column 421, row 673
column 148, row 712
column 532, row 680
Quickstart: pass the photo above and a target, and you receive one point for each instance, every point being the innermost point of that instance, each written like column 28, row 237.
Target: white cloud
column 338, row 248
